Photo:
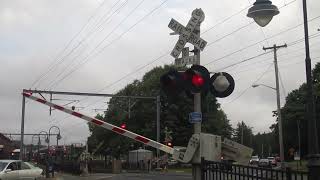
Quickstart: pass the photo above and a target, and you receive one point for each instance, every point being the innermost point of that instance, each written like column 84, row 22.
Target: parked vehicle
column 16, row 169
column 254, row 160
column 264, row 163
column 172, row 162
column 272, row 160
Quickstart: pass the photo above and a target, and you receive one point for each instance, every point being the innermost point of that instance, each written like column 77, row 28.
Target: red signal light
column 123, row 126
column 169, row 144
column 197, row 80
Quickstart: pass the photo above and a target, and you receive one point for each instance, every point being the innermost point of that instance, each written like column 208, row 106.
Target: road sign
column 193, row 39
column 186, row 60
column 197, row 16
column 195, row 117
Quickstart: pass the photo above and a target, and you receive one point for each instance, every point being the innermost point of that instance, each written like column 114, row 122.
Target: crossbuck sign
column 187, row 34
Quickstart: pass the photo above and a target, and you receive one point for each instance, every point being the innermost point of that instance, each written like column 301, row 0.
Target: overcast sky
column 102, row 45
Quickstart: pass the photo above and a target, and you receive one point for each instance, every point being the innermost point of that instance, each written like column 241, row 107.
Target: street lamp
column 257, row 85
column 31, row 148
column 281, row 148
column 58, row 135
column 47, row 136
column 262, row 12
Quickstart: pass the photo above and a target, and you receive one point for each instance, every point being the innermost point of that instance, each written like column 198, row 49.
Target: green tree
column 174, row 115
column 243, row 134
column 294, row 116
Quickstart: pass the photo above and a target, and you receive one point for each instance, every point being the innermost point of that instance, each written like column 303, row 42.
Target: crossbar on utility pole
column 88, row 94
column 274, row 48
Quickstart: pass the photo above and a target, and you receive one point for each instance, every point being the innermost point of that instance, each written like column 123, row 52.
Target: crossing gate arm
column 106, row 125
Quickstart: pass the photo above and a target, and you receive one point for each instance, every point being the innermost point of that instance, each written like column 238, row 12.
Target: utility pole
column 158, row 125
column 242, row 125
column 274, row 48
column 22, row 128
column 299, row 140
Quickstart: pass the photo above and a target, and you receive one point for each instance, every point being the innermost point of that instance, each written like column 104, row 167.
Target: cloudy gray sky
column 102, row 45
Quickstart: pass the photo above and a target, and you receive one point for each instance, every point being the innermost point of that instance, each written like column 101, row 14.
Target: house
column 6, row 147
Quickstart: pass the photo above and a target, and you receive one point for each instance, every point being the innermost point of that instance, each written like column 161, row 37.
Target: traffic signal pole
column 196, row 168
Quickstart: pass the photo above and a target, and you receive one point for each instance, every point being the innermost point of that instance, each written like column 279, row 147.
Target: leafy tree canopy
column 174, row 116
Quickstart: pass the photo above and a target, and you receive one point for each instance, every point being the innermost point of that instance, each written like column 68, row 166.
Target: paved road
column 127, row 176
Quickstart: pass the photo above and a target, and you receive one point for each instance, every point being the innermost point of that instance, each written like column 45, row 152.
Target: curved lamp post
column 58, row 136
column 31, row 148
column 281, row 148
column 262, row 12
column 47, row 136
column 34, row 136
column 257, row 85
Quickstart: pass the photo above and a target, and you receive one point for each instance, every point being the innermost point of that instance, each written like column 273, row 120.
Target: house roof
column 5, row 138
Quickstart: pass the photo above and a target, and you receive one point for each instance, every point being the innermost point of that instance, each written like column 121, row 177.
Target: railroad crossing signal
column 186, row 59
column 222, row 84
column 197, row 80
column 186, row 34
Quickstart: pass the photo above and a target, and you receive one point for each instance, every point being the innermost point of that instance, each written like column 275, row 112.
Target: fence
column 227, row 171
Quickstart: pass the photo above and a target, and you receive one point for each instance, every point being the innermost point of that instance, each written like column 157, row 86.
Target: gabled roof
column 5, row 138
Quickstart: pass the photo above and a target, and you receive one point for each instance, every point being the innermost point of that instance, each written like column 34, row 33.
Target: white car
column 16, row 169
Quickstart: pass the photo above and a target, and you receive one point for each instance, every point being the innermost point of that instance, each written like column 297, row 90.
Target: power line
column 244, row 91
column 251, row 58
column 118, row 25
column 166, row 54
column 226, row 19
column 289, row 29
column 68, row 44
column 229, row 34
column 282, row 85
column 87, row 58
column 207, row 30
column 82, row 40
column 256, row 56
column 161, row 55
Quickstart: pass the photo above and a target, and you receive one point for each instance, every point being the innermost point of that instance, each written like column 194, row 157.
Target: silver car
column 16, row 169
